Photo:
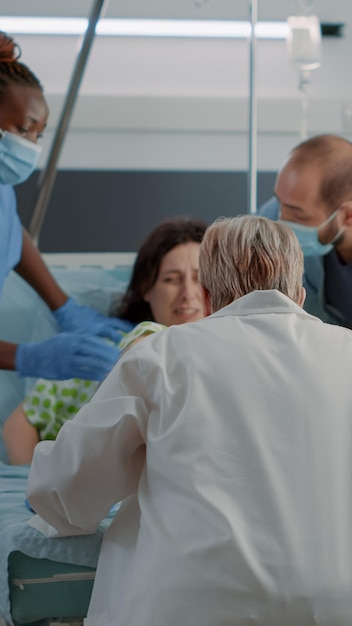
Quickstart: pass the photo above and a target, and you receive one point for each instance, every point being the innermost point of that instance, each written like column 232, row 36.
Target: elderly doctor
column 229, row 442
column 79, row 350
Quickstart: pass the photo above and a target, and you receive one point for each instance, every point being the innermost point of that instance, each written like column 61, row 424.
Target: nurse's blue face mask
column 308, row 237
column 18, row 158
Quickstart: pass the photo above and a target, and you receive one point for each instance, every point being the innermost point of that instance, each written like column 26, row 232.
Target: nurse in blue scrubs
column 79, row 350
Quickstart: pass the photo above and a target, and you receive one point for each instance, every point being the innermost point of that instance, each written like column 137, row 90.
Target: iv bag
column 304, row 41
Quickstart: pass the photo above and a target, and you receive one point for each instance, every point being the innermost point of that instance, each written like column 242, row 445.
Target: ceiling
column 132, row 86
column 337, row 11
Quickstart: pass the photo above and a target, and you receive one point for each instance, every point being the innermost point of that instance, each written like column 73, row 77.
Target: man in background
column 313, row 193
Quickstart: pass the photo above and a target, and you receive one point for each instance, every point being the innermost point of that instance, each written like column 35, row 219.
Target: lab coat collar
column 261, row 302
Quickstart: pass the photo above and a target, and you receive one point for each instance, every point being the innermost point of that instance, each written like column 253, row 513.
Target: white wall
column 183, row 103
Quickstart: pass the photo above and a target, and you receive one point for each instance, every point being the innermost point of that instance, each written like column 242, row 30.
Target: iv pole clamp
column 253, row 130
column 47, row 178
column 304, row 48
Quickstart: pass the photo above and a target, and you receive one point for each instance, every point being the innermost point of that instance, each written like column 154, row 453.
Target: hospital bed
column 41, row 579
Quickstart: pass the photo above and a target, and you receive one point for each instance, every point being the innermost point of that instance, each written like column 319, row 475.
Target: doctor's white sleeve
column 97, row 458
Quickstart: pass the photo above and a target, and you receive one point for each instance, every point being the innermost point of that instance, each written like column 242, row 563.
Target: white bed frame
column 75, row 260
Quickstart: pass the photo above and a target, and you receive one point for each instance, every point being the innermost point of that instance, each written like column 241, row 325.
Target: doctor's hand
column 66, row 355
column 73, row 317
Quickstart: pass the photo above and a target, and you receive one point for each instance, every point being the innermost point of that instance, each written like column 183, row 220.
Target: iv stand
column 253, row 128
column 47, row 178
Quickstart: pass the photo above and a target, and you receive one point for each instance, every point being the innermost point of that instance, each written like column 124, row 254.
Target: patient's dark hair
column 12, row 71
column 158, row 243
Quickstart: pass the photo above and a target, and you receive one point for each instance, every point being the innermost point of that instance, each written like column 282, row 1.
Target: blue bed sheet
column 17, row 535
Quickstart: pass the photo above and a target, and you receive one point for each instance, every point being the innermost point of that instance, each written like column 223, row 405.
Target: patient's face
column 176, row 297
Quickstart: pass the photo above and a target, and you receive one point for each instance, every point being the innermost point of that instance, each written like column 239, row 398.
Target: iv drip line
column 304, row 80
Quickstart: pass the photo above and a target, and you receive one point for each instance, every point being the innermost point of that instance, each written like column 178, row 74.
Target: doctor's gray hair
column 247, row 253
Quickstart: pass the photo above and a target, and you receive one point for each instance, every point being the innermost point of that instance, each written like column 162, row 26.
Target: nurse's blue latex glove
column 73, row 317
column 67, row 355
column 28, row 506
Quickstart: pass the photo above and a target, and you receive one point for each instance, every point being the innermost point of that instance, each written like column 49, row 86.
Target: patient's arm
column 20, row 437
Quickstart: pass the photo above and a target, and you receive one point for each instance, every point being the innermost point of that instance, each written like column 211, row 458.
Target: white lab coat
column 239, row 509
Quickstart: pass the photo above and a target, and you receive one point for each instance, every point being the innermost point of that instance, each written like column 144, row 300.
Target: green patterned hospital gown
column 51, row 403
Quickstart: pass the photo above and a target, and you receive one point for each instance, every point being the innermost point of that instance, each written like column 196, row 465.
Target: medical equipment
column 47, row 179
column 346, row 114
column 309, row 236
column 253, row 111
column 18, row 156
column 304, row 47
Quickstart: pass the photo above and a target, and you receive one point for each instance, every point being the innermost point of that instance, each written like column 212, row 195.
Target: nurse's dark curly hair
column 12, row 71
column 159, row 242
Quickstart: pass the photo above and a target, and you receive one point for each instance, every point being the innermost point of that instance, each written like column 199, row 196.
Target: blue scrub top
column 10, row 233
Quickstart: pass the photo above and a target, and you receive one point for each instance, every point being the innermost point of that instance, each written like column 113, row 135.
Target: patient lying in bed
column 164, row 290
